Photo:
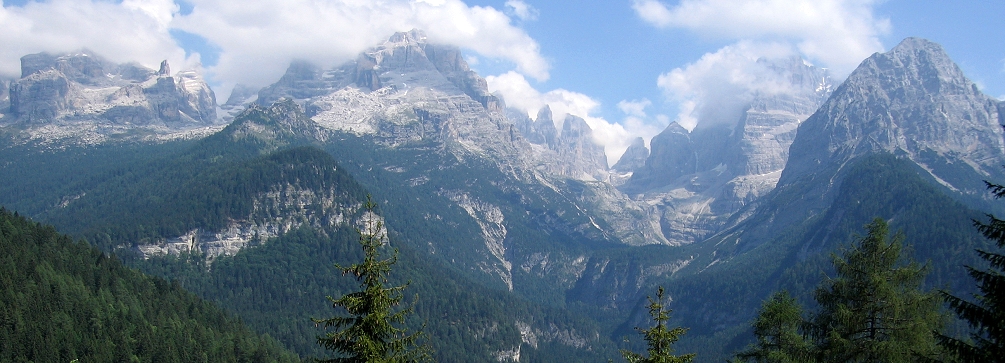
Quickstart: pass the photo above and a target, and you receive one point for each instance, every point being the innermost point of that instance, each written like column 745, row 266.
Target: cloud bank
column 258, row 39
column 836, row 34
column 717, row 88
column 61, row 26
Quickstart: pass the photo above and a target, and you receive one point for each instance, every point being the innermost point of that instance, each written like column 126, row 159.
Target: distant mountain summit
column 634, row 157
column 82, row 86
column 404, row 90
column 912, row 101
column 699, row 179
column 80, row 94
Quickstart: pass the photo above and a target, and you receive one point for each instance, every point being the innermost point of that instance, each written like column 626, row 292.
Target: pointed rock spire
column 165, row 70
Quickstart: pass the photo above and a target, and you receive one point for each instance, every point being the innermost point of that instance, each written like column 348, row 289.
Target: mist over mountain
column 698, row 179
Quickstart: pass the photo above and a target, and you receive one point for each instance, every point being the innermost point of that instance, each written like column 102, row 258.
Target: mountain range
column 144, row 164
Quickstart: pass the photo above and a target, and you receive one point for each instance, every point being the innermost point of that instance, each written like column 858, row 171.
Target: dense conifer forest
column 63, row 300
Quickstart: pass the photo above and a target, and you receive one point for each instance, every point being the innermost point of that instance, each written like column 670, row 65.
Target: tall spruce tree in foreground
column 659, row 337
column 986, row 315
column 874, row 310
column 371, row 332
column 778, row 331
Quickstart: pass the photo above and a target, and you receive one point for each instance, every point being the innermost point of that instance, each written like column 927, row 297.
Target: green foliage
column 38, row 178
column 986, row 315
column 778, row 330
column 719, row 301
column 371, row 331
column 62, row 300
column 276, row 285
column 187, row 193
column 659, row 338
column 874, row 310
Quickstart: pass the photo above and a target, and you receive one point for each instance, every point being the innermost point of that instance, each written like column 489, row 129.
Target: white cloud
column 718, row 87
column 615, row 137
column 837, row 33
column 522, row 10
column 59, row 26
column 635, row 107
column 258, row 39
column 653, row 12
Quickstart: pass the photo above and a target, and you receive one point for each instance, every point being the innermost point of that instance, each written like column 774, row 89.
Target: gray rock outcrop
column 4, row 97
column 83, row 87
column 240, row 97
column 913, row 102
column 699, row 179
column 634, row 157
column 538, row 131
column 577, row 151
column 569, row 154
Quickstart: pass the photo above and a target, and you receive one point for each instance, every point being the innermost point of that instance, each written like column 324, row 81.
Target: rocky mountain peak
column 404, row 61
column 914, row 101
column 672, row 156
column 633, row 158
column 699, row 179
column 414, row 36
column 165, row 69
column 576, row 127
column 82, row 66
column 82, row 87
column 576, row 145
column 544, row 128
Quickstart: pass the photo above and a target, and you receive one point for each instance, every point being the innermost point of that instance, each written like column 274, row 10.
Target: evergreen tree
column 874, row 310
column 659, row 337
column 986, row 315
column 371, row 333
column 778, row 334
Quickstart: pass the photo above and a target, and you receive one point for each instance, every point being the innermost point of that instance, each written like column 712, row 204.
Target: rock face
column 583, row 157
column 571, row 154
column 402, row 91
column 539, row 131
column 4, row 98
column 911, row 101
column 83, row 87
column 240, row 97
column 634, row 158
column 283, row 208
column 699, row 179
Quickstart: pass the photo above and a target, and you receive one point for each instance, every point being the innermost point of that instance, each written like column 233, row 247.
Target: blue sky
column 628, row 66
column 603, row 49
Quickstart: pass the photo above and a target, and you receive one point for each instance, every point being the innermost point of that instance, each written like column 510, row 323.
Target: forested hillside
column 64, row 300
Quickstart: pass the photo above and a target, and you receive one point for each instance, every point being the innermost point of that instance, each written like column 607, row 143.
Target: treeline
column 62, row 300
